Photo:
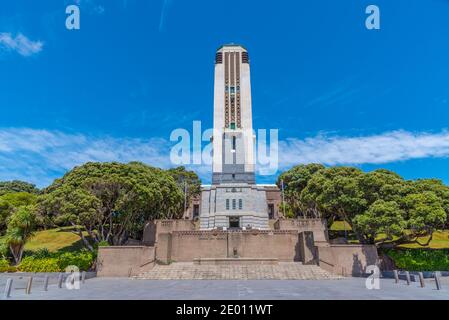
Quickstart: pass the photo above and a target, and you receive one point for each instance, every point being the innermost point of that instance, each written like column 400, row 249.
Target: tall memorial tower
column 233, row 200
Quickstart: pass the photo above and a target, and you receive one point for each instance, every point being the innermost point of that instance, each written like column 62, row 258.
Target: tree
column 186, row 180
column 21, row 226
column 425, row 214
column 433, row 185
column 373, row 203
column 111, row 201
column 382, row 185
column 295, row 181
column 382, row 217
column 17, row 186
column 10, row 202
column 336, row 193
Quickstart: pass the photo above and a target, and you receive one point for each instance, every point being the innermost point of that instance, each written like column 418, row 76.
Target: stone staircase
column 280, row 271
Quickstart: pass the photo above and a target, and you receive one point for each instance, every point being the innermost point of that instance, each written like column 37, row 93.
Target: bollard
column 83, row 277
column 60, row 279
column 396, row 276
column 437, row 280
column 407, row 277
column 29, row 284
column 421, row 279
column 46, row 283
column 8, row 288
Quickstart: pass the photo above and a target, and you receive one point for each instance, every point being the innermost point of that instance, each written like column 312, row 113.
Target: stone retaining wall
column 124, row 261
column 183, row 246
column 347, row 260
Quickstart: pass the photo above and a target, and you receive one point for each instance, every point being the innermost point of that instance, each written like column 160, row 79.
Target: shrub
column 56, row 262
column 41, row 253
column 83, row 260
column 420, row 259
column 103, row 244
column 31, row 264
column 4, row 249
column 4, row 265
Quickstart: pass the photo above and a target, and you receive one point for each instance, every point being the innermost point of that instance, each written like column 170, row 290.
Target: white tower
column 233, row 160
column 233, row 200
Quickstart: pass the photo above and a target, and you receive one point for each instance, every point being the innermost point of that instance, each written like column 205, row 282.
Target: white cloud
column 20, row 44
column 165, row 6
column 39, row 156
column 376, row 149
column 90, row 6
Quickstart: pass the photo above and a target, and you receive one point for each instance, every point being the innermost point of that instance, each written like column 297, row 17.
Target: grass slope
column 59, row 239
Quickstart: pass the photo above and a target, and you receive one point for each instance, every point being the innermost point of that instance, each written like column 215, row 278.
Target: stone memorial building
column 235, row 221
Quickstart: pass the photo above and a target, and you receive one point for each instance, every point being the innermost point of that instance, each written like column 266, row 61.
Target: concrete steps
column 280, row 271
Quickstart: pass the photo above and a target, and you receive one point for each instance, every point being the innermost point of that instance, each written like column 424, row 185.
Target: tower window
column 219, row 58
column 234, row 143
column 234, row 204
column 227, row 204
column 240, row 204
column 233, row 125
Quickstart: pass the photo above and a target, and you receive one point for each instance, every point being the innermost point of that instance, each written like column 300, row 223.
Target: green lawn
column 59, row 239
column 340, row 226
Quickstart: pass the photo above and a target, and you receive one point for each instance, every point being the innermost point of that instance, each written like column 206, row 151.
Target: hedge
column 57, row 262
column 420, row 259
column 5, row 267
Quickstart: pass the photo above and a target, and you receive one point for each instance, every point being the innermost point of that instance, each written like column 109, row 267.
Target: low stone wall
column 347, row 260
column 124, row 261
column 317, row 226
column 282, row 245
column 154, row 228
column 183, row 246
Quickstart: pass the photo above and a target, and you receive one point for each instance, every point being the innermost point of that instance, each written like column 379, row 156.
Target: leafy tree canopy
column 111, row 201
column 17, row 186
column 373, row 203
column 10, row 202
column 186, row 181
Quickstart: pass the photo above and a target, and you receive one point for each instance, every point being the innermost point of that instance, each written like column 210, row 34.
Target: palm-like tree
column 21, row 226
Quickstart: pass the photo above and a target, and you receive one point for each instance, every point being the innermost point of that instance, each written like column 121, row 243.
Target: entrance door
column 234, row 222
column 270, row 211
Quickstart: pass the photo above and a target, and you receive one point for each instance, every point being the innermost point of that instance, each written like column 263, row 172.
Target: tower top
column 231, row 45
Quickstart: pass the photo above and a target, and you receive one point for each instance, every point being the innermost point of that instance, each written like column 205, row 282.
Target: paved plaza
column 125, row 288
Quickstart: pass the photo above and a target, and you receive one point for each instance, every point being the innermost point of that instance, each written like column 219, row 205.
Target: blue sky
column 137, row 69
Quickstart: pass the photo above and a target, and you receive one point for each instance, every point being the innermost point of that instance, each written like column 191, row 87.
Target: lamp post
column 185, row 197
column 283, row 198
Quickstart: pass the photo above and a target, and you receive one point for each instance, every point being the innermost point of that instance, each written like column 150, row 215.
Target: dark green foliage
column 10, row 202
column 17, row 186
column 111, row 201
column 5, row 266
column 420, row 259
column 378, row 203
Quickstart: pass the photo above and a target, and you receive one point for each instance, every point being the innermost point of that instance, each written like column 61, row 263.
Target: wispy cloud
column 91, row 6
column 165, row 7
column 376, row 149
column 20, row 44
column 39, row 156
